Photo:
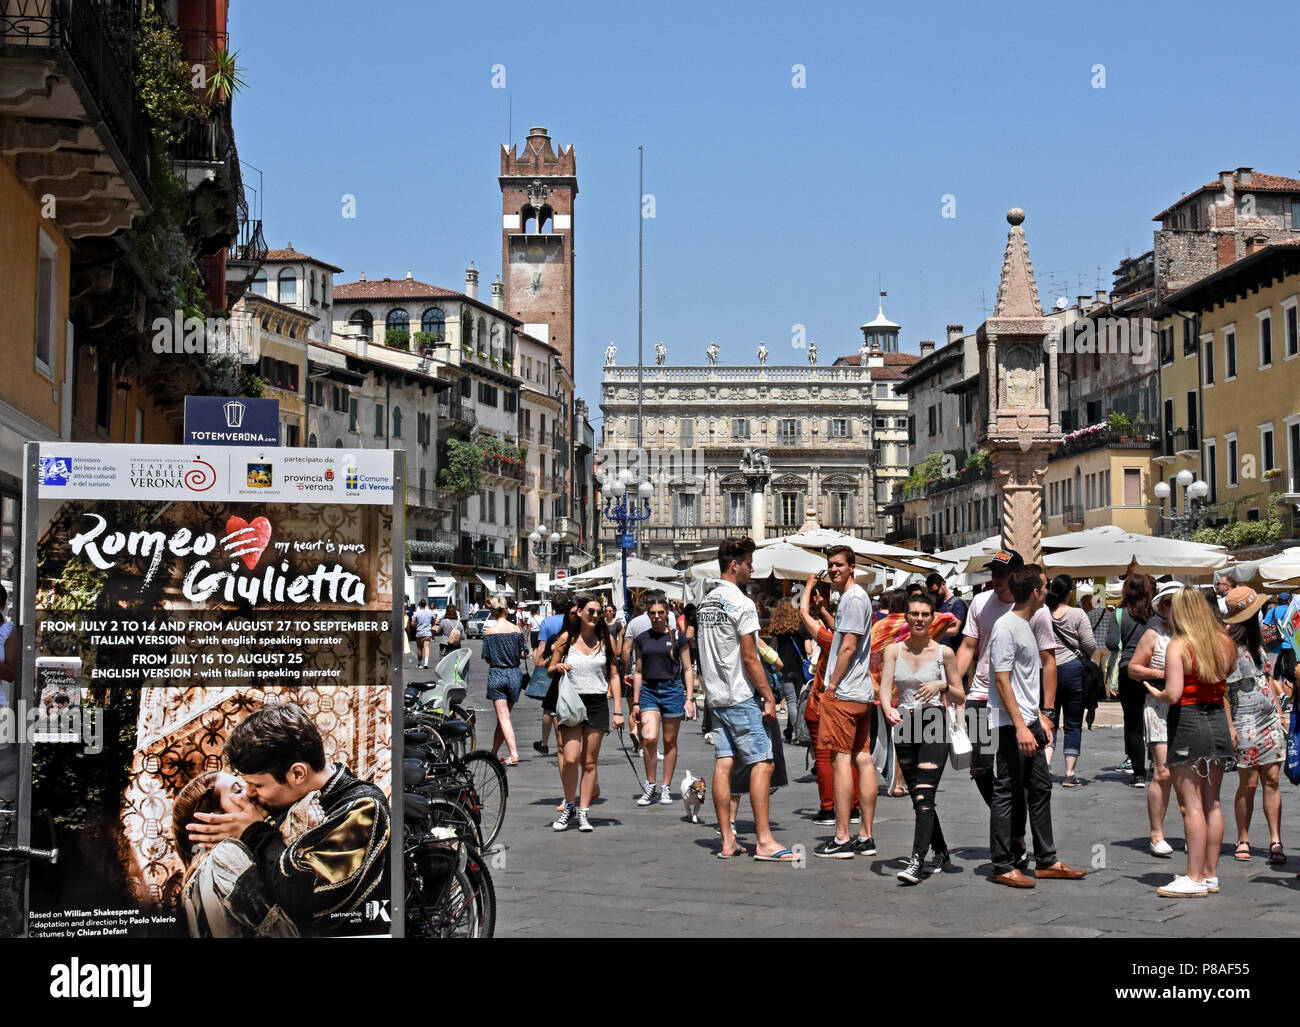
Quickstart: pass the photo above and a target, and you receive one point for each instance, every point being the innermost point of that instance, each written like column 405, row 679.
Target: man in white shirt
column 848, row 710
column 1024, row 727
column 985, row 610
column 1222, row 586
column 734, row 682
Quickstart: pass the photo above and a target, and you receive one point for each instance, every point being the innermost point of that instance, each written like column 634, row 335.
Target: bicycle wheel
column 490, row 792
column 447, row 811
column 485, row 895
column 440, row 901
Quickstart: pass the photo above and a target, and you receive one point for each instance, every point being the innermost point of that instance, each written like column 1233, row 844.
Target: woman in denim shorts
column 663, row 663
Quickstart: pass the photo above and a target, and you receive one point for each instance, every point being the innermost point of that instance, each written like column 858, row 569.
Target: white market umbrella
column 821, row 539
column 1159, row 556
column 668, row 588
column 1281, row 568
column 636, row 568
column 777, row 560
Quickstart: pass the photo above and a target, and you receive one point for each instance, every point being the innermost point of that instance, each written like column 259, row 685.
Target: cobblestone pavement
column 648, row 871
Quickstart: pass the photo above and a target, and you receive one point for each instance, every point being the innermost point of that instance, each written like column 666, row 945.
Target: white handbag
column 570, row 711
column 959, row 745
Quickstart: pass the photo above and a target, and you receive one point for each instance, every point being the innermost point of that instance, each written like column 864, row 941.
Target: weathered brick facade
column 538, row 187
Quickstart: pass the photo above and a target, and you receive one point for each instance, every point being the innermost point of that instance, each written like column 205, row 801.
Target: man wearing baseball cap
column 984, row 612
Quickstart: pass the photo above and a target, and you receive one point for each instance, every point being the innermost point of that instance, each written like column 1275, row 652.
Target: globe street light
column 1195, row 492
column 626, row 508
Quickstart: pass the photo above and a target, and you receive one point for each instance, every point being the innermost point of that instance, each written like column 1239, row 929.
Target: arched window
column 311, row 441
column 338, row 443
column 529, row 218
column 434, row 321
column 364, row 323
column 480, row 333
column 313, row 286
column 258, row 288
column 398, row 321
column 544, row 217
column 288, row 285
column 397, row 422
column 498, row 338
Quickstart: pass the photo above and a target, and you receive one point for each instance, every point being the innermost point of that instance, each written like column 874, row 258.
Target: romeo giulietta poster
column 201, row 588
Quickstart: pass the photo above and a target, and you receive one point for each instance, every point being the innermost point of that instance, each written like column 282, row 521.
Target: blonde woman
column 1197, row 663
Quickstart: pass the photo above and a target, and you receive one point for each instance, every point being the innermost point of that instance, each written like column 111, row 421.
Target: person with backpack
column 663, row 691
column 1074, row 647
column 451, row 631
column 1134, row 612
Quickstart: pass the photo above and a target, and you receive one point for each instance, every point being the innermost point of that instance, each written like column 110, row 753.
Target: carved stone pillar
column 1019, row 474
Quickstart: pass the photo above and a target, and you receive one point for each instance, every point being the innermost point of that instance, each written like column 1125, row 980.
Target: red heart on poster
column 252, row 541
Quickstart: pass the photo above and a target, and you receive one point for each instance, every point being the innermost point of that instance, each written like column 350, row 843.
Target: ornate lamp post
column 545, row 547
column 626, row 508
column 1195, row 492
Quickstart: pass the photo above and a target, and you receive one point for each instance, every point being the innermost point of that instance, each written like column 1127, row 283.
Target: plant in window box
column 397, row 339
column 1120, row 422
column 495, row 362
column 426, row 340
column 508, row 364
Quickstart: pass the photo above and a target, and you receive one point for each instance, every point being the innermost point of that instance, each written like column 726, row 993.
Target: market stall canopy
column 1154, row 556
column 636, row 568
column 1108, row 535
column 778, row 560
column 670, row 590
column 821, row 539
column 1282, row 570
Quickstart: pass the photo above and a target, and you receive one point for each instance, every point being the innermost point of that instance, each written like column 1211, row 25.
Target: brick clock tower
column 538, row 187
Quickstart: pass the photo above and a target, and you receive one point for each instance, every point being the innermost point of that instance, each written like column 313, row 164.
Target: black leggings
column 927, row 743
column 1133, row 700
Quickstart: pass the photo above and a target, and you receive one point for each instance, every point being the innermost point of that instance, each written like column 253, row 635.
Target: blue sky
column 775, row 205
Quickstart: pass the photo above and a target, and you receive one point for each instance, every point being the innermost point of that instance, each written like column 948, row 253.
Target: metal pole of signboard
column 396, row 875
column 27, row 681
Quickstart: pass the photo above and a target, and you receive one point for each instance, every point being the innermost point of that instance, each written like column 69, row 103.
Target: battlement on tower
column 538, row 157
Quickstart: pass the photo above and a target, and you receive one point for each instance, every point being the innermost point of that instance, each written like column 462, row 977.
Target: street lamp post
column 627, row 508
column 544, row 548
column 1195, row 492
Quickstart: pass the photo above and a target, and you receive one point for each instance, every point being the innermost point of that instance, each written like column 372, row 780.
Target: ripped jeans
column 921, row 747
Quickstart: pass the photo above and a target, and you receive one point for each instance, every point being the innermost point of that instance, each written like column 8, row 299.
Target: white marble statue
column 713, row 351
column 661, row 353
column 611, row 353
column 762, row 354
column 812, row 354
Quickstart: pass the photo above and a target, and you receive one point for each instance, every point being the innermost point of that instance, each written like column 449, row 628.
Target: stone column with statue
column 1018, row 365
column 756, row 466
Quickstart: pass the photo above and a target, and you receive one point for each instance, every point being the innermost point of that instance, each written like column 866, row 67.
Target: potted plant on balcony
column 463, row 472
column 397, row 338
column 1275, row 479
column 1120, row 424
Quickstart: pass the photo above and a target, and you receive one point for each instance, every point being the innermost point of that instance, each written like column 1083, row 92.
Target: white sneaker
column 708, row 738
column 1212, row 885
column 1161, row 848
column 583, row 823
column 1182, row 887
column 647, row 796
column 665, row 796
column 566, row 814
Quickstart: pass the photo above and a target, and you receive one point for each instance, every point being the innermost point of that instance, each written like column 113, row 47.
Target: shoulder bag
column 1093, row 689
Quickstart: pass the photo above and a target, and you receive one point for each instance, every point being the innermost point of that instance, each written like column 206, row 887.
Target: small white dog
column 693, row 792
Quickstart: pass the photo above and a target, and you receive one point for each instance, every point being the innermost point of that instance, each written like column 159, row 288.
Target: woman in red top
column 1197, row 664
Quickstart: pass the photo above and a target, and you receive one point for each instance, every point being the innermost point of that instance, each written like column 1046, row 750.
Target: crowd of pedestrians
column 893, row 693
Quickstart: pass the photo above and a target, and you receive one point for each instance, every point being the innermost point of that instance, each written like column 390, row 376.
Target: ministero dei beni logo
column 170, row 472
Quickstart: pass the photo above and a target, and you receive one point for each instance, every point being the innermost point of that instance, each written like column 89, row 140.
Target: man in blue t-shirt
column 552, row 627
column 1284, row 668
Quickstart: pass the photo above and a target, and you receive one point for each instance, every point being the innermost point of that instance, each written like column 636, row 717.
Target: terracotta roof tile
column 288, row 256
column 897, row 360
column 886, row 374
column 393, row 289
column 1260, row 183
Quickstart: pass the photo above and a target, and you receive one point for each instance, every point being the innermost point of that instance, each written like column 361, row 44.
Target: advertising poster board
column 198, row 586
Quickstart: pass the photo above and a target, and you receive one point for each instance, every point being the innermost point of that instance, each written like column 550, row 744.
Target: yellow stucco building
column 1230, row 392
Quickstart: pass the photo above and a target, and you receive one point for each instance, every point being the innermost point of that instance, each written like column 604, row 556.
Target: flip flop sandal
column 739, row 850
column 1242, row 855
column 1276, row 853
column 777, row 857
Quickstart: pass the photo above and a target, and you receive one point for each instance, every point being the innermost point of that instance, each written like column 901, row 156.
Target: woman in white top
column 1148, row 664
column 590, row 662
column 925, row 674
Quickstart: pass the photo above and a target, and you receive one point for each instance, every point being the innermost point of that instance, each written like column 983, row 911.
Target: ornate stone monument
column 1019, row 407
column 756, row 466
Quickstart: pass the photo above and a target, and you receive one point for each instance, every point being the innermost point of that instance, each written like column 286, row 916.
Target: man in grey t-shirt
column 847, row 711
column 1024, row 732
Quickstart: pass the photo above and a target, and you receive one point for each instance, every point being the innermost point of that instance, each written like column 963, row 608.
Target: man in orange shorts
column 847, row 710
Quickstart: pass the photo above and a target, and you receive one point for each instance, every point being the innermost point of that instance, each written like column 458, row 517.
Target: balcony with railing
column 1138, row 435
column 966, row 476
column 454, row 416
column 900, row 535
column 68, row 96
column 504, row 469
column 1180, row 442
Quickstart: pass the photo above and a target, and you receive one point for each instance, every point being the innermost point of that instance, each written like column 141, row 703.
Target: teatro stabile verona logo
column 193, row 474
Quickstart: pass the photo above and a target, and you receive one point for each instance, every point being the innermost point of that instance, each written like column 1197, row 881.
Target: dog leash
column 622, row 746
